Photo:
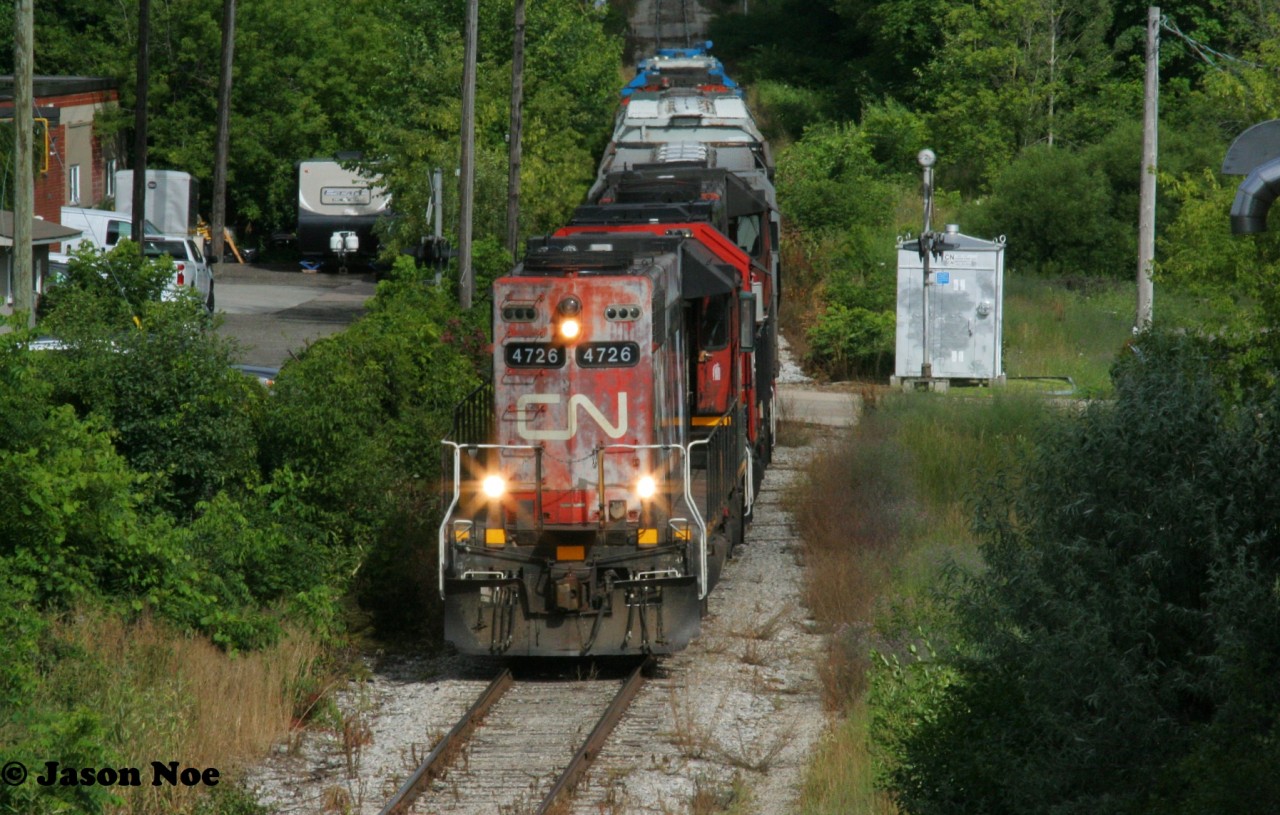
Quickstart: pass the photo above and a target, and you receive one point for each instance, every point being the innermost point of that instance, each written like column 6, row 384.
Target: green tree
column 1057, row 216
column 1112, row 654
column 1013, row 73
column 351, row 441
column 166, row 387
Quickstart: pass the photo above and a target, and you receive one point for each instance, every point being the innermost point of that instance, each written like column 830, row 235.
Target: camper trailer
column 338, row 207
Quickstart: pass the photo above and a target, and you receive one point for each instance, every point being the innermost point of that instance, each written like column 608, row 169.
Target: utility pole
column 219, row 221
column 466, row 280
column 24, row 192
column 140, row 121
column 1147, row 188
column 437, row 218
column 517, row 128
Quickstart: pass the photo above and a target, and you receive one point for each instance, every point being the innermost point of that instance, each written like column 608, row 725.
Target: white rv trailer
column 338, row 208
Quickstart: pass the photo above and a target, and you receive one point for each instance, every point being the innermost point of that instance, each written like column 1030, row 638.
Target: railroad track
column 514, row 748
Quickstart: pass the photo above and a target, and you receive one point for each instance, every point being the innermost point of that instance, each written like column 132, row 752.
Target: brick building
column 80, row 166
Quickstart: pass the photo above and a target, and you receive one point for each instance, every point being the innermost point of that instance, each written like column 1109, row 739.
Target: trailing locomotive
column 596, row 487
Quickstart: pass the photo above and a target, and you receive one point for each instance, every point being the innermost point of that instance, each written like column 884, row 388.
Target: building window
column 73, row 184
column 111, row 178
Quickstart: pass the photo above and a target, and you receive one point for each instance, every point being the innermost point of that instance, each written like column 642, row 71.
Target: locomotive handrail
column 697, row 516
column 687, row 475
column 474, row 408
column 442, row 561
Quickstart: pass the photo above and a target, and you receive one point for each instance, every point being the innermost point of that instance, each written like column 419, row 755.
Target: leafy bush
column 119, row 281
column 166, row 387
column 353, row 434
column 239, row 567
column 1056, row 213
column 1119, row 650
column 853, row 341
column 830, row 181
column 786, row 110
column 896, row 134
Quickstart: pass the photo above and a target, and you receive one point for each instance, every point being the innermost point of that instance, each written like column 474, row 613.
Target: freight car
column 596, row 487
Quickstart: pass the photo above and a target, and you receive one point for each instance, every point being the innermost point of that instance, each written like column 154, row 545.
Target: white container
column 172, row 200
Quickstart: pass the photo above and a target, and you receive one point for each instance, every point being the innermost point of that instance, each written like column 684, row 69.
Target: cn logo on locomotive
column 524, row 413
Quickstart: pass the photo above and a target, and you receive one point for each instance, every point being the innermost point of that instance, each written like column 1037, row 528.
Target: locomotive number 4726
column 534, row 355
column 602, row 354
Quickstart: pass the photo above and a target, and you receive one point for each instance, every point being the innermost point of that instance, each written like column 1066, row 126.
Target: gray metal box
column 966, row 309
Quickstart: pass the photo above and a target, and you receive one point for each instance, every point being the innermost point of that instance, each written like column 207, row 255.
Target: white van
column 100, row 228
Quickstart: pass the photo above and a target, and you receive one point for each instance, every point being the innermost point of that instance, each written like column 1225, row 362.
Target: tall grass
column 840, row 781
column 1056, row 327
column 894, row 513
column 167, row 696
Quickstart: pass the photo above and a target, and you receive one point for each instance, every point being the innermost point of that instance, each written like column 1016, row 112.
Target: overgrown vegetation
column 1043, row 608
column 892, row 522
column 1124, row 620
column 180, row 541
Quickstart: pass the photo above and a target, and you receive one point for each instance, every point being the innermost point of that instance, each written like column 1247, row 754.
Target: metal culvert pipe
column 1254, row 197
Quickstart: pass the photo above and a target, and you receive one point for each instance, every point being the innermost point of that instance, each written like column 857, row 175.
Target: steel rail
column 591, row 747
column 432, row 765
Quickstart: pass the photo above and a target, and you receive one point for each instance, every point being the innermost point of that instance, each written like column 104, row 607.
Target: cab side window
column 713, row 323
column 117, row 230
column 746, row 234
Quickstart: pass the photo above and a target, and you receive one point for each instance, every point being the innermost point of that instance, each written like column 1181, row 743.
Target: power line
column 1205, row 52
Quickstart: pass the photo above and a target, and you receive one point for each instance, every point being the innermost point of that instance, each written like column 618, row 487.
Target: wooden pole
column 140, row 120
column 1147, row 188
column 24, row 192
column 218, row 223
column 465, row 276
column 517, row 127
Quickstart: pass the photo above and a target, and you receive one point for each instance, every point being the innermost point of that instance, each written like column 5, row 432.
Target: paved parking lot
column 273, row 312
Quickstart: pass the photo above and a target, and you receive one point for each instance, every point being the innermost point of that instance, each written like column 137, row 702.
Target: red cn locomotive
column 596, row 487
column 599, row 483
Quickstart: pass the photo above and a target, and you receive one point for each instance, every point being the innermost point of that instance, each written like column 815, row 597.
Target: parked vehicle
column 190, row 269
column 101, row 228
column 172, row 199
column 338, row 209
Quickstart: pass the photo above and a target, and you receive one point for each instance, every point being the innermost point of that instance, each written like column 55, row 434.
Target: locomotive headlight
column 568, row 326
column 646, row 487
column 570, row 329
column 493, row 486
